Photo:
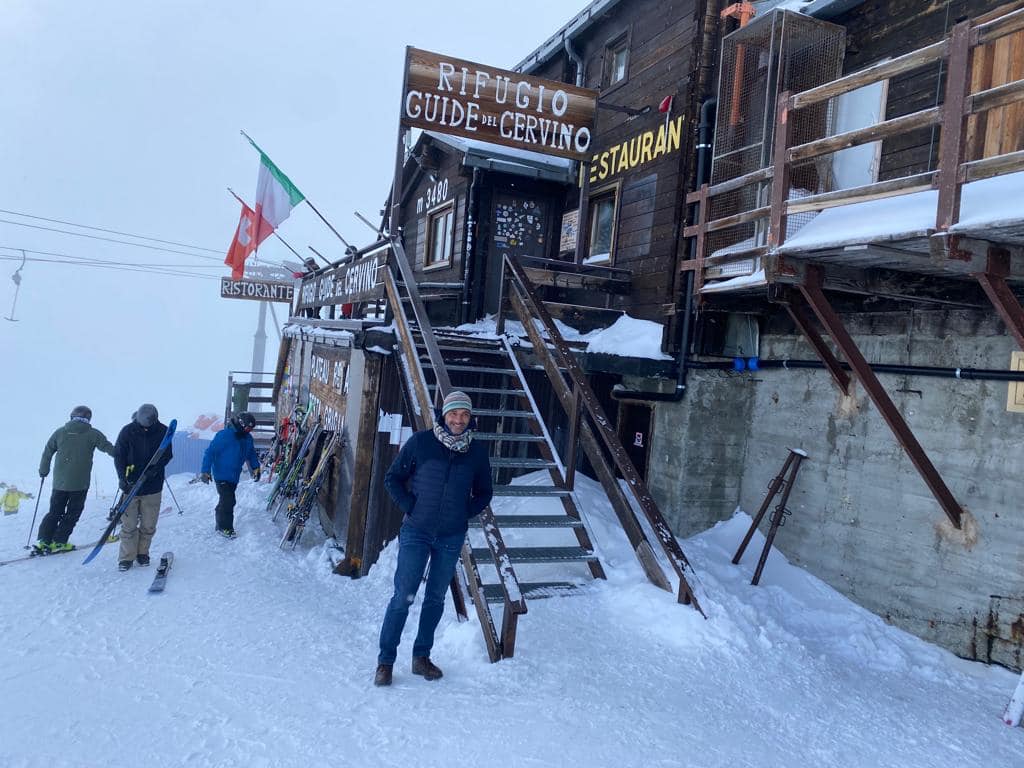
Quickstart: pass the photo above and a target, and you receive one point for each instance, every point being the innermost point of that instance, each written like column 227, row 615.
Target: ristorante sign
column 455, row 96
column 257, row 290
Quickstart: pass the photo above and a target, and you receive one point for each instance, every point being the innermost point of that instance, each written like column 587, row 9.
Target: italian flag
column 275, row 197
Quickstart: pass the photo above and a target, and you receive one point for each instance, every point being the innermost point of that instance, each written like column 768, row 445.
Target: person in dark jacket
column 73, row 445
column 135, row 446
column 440, row 480
column 228, row 451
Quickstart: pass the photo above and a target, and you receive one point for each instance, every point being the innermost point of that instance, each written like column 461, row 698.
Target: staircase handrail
column 514, row 603
column 558, row 352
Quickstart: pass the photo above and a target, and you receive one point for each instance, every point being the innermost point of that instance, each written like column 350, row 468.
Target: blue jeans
column 415, row 548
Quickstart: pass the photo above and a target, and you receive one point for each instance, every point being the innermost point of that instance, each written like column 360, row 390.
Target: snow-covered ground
column 255, row 656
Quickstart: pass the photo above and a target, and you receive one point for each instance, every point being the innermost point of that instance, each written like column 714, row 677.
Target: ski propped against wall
column 1015, row 709
column 132, row 492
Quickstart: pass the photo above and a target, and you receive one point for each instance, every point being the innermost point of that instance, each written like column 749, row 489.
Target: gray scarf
column 457, row 443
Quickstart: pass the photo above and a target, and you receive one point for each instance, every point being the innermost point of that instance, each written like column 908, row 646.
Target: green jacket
column 74, row 444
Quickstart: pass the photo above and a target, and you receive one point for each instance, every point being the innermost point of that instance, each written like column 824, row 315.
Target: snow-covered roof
column 984, row 204
column 496, row 157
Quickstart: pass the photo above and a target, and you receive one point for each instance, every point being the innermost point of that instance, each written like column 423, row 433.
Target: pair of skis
column 132, row 492
column 289, row 480
column 298, row 513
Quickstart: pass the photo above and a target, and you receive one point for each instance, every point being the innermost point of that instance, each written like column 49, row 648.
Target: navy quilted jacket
column 438, row 489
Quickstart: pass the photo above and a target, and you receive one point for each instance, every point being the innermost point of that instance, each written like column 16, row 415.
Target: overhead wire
column 177, row 270
column 119, row 242
column 109, row 231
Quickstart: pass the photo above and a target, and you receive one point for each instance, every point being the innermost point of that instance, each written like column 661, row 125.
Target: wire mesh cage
column 780, row 51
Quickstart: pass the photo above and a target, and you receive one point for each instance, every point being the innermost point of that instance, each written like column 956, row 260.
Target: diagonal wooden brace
column 796, row 311
column 811, row 289
column 993, row 282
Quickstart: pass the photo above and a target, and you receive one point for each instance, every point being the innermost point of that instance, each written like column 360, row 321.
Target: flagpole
column 286, row 245
column 305, row 199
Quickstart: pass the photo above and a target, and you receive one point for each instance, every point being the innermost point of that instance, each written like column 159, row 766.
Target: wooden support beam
column 812, row 292
column 954, row 126
column 872, row 133
column 873, row 74
column 364, row 445
column 780, row 179
column 835, row 368
column 993, row 282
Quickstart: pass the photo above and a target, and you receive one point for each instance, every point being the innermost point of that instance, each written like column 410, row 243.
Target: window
column 440, row 230
column 602, row 227
column 618, row 60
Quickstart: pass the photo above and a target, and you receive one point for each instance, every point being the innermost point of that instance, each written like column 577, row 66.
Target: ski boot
column 56, row 547
column 40, row 548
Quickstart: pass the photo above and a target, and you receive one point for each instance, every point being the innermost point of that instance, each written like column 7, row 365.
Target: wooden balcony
column 962, row 221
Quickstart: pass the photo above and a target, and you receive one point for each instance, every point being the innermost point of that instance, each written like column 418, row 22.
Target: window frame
column 619, row 42
column 435, row 214
column 613, row 190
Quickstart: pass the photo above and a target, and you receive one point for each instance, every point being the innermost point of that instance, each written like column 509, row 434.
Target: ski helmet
column 81, row 412
column 245, row 421
column 147, row 415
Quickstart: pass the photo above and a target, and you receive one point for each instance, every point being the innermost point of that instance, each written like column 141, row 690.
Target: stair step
column 534, row 521
column 486, row 391
column 538, row 555
column 499, row 462
column 493, row 593
column 473, row 368
column 468, row 350
column 530, row 490
column 503, row 412
column 513, row 437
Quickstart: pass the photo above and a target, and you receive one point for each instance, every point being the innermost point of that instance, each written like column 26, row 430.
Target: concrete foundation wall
column 862, row 518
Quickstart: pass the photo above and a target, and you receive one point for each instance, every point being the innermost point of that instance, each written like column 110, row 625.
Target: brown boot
column 422, row 665
column 383, row 675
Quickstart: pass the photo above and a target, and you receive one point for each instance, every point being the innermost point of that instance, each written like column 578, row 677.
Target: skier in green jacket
column 73, row 445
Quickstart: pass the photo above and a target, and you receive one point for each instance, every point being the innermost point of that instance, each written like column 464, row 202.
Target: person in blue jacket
column 230, row 449
column 440, row 480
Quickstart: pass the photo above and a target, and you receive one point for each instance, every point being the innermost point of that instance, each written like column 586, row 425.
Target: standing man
column 73, row 445
column 136, row 444
column 440, row 480
column 228, row 451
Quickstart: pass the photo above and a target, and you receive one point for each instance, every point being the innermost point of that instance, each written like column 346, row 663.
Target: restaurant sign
column 459, row 97
column 257, row 290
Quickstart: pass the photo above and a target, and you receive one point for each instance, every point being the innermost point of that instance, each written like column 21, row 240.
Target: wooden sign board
column 460, row 97
column 347, row 284
column 257, row 290
column 328, row 385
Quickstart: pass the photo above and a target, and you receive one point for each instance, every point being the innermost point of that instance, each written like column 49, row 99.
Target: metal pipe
column 705, row 133
column 469, row 247
column 971, row 374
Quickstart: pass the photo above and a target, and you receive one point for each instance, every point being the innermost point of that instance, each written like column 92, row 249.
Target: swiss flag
column 244, row 243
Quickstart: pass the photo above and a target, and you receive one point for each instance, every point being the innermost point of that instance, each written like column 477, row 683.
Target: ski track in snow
column 257, row 656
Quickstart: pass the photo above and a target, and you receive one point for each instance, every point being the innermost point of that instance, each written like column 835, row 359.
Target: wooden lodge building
column 818, row 203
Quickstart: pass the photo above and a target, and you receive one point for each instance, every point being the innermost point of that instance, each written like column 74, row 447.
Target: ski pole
column 28, row 544
column 173, row 497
